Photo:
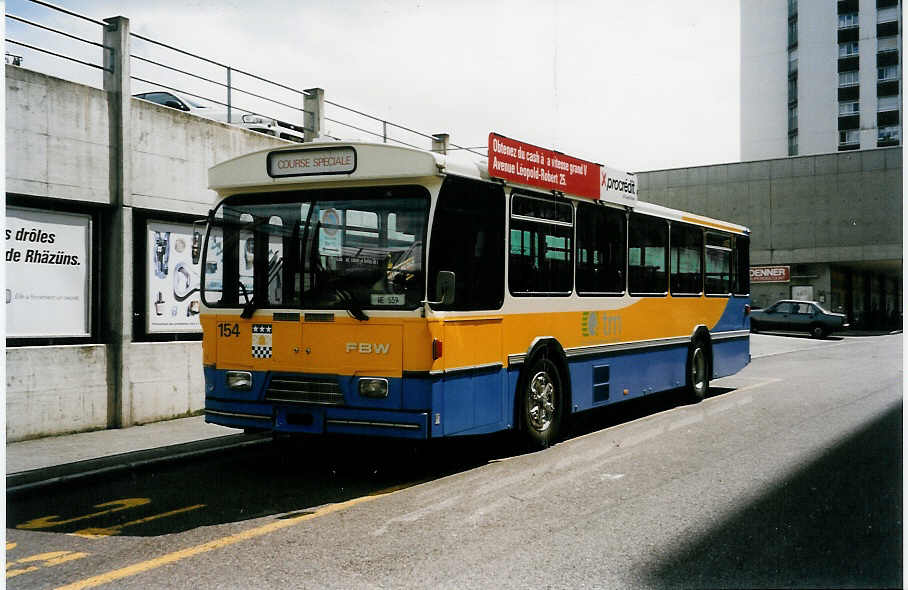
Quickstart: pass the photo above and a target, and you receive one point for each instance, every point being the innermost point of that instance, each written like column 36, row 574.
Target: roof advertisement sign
column 523, row 163
column 617, row 187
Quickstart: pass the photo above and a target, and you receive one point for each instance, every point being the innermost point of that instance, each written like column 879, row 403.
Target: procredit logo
column 367, row 348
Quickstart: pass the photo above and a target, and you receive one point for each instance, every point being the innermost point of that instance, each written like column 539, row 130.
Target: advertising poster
column 174, row 253
column 48, row 274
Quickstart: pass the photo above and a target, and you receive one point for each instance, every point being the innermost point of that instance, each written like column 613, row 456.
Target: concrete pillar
column 314, row 105
column 116, row 233
column 440, row 143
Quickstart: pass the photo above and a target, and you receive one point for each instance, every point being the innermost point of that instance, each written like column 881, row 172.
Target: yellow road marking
column 271, row 527
column 50, row 559
column 96, row 533
column 10, row 545
column 50, row 521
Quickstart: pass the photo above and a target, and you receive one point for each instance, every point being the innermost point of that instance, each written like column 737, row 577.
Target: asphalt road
column 788, row 475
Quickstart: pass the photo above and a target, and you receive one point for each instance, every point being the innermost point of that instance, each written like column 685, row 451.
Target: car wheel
column 817, row 331
column 697, row 371
column 541, row 403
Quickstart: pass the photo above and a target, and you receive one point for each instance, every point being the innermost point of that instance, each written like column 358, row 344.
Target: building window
column 887, row 44
column 852, row 107
column 793, row 144
column 792, row 61
column 849, row 78
column 793, row 33
column 887, row 73
column 849, row 136
column 846, row 21
column 792, row 8
column 891, row 133
column 792, row 90
column 887, row 103
column 793, row 117
column 889, row 14
column 848, row 49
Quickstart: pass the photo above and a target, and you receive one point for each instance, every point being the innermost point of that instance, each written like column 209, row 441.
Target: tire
column 697, row 371
column 541, row 403
column 817, row 331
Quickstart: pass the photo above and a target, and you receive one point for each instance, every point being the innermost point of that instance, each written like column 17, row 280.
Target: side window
column 686, row 253
column 541, row 246
column 601, row 250
column 468, row 239
column 718, row 263
column 647, row 248
column 742, row 259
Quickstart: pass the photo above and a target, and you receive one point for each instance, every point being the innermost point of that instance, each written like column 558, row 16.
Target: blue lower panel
column 730, row 356
column 471, row 403
column 602, row 380
column 318, row 420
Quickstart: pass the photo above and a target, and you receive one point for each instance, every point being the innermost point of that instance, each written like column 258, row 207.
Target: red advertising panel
column 770, row 274
column 520, row 162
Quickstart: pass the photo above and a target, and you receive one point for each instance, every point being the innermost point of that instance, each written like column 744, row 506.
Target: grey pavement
column 57, row 459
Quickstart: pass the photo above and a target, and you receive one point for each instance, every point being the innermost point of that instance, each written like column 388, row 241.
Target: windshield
column 350, row 249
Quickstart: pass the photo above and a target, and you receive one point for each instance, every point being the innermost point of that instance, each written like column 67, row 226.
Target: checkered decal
column 261, row 341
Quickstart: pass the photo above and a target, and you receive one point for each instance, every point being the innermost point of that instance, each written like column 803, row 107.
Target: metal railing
column 177, row 70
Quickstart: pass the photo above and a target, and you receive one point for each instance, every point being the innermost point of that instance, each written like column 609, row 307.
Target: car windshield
column 350, row 249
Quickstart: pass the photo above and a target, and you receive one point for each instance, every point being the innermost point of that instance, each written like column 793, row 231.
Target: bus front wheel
column 697, row 371
column 542, row 403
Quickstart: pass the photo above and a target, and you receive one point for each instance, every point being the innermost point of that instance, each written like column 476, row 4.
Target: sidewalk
column 56, row 459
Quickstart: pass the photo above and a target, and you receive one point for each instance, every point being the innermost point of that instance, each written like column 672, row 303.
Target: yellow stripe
column 711, row 224
column 176, row 556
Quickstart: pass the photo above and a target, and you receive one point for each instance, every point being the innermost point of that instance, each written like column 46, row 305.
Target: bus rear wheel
column 541, row 403
column 697, row 371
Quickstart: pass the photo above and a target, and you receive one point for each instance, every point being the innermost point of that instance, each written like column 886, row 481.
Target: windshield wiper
column 249, row 308
column 352, row 305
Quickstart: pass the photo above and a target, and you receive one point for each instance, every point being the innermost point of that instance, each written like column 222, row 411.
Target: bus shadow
column 835, row 522
column 288, row 476
column 628, row 411
column 291, row 476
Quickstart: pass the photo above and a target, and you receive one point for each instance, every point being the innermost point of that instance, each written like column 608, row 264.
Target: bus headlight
column 239, row 380
column 373, row 387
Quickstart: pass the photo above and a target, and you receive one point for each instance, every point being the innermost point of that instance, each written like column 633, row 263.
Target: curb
column 26, row 481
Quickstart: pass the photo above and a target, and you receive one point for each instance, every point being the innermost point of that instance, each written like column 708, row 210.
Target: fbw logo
column 595, row 323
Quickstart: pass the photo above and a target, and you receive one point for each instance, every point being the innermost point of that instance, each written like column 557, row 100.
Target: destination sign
column 312, row 162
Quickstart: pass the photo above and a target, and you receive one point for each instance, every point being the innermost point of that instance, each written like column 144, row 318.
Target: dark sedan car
column 797, row 316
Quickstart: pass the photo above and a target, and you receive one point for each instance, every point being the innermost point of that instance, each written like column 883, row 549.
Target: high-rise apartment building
column 819, row 76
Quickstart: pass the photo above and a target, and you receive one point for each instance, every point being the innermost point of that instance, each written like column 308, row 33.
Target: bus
column 372, row 289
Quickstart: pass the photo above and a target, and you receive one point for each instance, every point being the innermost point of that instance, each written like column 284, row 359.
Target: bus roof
column 323, row 162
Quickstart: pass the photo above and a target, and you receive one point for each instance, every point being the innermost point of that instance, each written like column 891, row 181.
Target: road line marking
column 97, row 533
column 271, row 527
column 10, row 545
column 50, row 559
column 49, row 521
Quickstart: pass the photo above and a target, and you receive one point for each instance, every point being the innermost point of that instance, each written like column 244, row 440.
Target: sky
column 634, row 84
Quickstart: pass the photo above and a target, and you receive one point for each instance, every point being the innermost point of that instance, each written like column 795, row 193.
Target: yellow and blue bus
column 372, row 289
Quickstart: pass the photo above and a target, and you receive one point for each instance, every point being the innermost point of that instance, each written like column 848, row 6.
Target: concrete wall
column 58, row 152
column 55, row 389
column 764, row 83
column 843, row 207
column 57, row 138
